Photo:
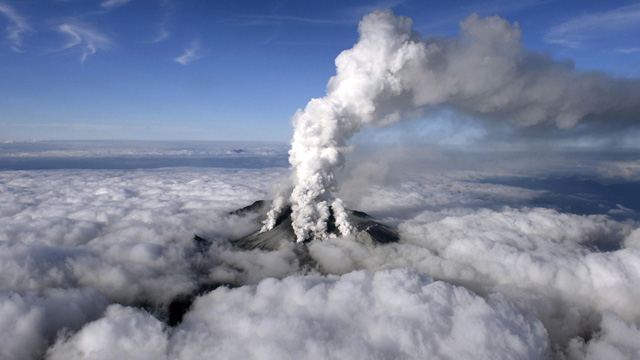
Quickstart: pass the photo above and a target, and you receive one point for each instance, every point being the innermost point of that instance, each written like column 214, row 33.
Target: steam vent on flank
column 365, row 228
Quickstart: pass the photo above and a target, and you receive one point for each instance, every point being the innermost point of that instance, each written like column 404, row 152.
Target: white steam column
column 364, row 76
column 392, row 73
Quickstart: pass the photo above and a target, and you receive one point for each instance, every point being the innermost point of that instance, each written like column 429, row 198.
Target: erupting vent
column 365, row 228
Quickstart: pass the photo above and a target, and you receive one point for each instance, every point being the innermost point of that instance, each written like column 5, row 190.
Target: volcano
column 366, row 229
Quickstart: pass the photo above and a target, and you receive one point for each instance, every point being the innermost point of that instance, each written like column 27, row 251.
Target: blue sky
column 236, row 70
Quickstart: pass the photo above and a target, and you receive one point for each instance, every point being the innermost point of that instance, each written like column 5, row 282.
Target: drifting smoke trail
column 392, row 73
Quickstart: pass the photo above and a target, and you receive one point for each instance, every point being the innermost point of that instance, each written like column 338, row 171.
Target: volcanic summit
column 366, row 229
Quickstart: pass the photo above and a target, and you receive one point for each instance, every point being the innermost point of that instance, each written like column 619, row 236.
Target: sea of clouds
column 91, row 261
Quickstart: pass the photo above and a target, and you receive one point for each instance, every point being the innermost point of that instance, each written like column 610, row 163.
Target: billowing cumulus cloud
column 539, row 258
column 123, row 333
column 125, row 237
column 126, row 234
column 119, row 236
column 395, row 314
column 616, row 340
column 388, row 314
column 30, row 321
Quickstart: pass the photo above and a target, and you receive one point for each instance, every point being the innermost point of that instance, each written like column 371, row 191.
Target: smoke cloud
column 392, row 73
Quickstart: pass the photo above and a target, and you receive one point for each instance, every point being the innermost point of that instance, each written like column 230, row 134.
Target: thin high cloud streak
column 163, row 32
column 629, row 50
column 191, row 53
column 17, row 28
column 83, row 37
column 88, row 38
column 162, row 29
column 359, row 11
column 113, row 3
column 162, row 35
column 249, row 19
column 574, row 32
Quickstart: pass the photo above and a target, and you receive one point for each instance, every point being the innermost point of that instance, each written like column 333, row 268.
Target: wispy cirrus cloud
column 573, row 33
column 482, row 8
column 191, row 53
column 628, row 50
column 108, row 4
column 359, row 11
column 163, row 32
column 83, row 37
column 161, row 35
column 16, row 28
column 298, row 19
column 265, row 19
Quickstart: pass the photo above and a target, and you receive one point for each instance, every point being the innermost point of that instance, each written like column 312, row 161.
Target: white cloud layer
column 616, row 340
column 31, row 321
column 161, row 149
column 513, row 279
column 123, row 333
column 126, row 234
column 396, row 314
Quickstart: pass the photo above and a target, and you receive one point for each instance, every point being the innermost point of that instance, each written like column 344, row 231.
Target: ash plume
column 393, row 73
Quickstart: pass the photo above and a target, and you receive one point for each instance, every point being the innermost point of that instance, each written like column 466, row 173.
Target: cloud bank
column 388, row 314
column 92, row 261
column 395, row 314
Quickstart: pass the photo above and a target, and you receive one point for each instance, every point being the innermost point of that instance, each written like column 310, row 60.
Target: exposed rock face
column 365, row 228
